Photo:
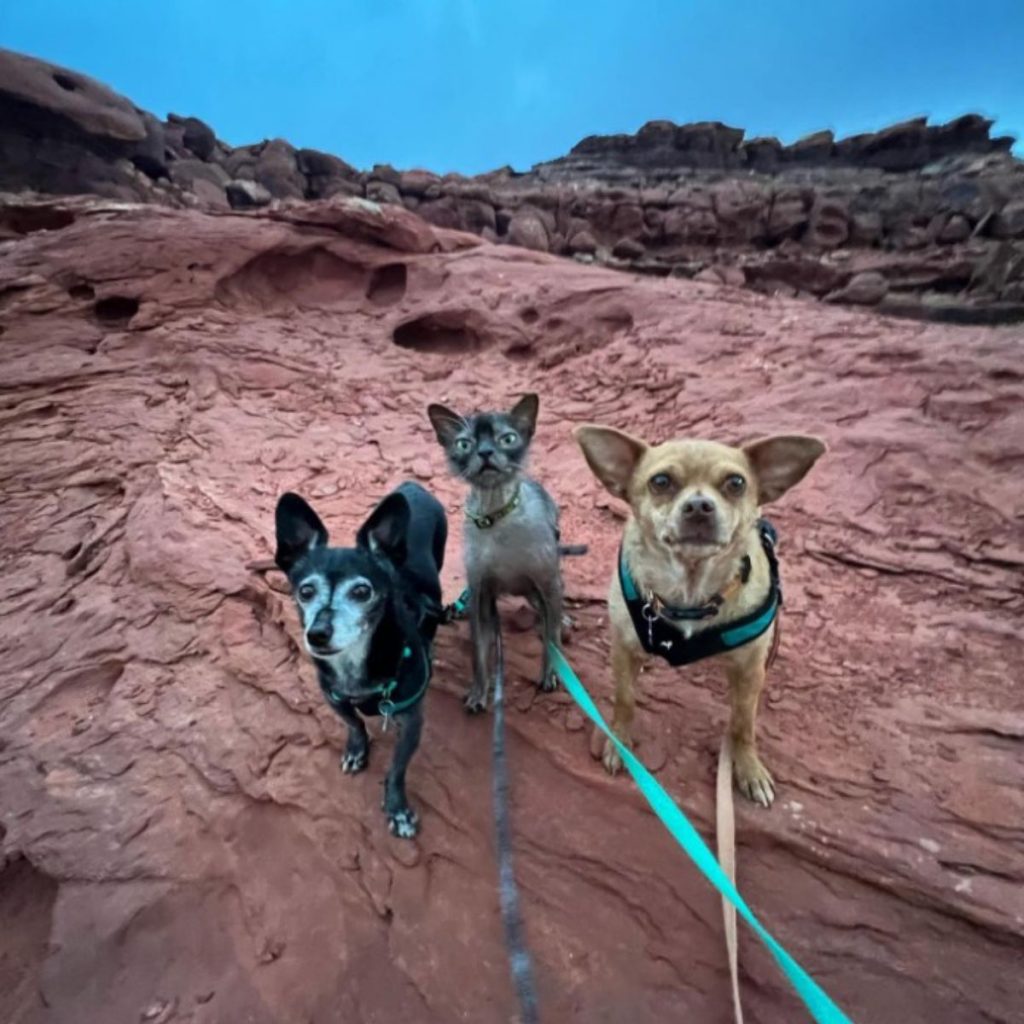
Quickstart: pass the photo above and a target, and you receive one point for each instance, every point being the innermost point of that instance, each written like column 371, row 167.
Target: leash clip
column 387, row 709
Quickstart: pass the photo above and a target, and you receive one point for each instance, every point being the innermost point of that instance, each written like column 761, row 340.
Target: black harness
column 659, row 637
column 408, row 685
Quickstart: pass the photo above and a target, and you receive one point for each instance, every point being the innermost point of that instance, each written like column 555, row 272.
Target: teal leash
column 821, row 1007
column 456, row 611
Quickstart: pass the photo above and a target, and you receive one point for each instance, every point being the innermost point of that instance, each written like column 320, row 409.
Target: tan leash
column 725, row 829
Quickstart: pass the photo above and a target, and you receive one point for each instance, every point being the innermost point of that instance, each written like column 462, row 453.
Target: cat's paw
column 475, row 702
column 548, row 682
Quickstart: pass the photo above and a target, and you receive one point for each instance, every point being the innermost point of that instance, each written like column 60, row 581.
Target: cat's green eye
column 509, row 440
column 463, row 445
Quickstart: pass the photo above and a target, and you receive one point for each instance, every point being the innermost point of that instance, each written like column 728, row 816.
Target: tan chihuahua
column 697, row 574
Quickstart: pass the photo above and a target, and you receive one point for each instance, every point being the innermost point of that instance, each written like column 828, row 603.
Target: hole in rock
column 387, row 284
column 27, row 898
column 26, row 219
column 287, row 278
column 116, row 309
column 521, row 351
column 447, row 333
column 82, row 291
column 66, row 82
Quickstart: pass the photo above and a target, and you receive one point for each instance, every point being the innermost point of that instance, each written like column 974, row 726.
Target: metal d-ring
column 650, row 615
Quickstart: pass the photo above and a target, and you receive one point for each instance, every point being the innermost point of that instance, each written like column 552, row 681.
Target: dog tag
column 649, row 615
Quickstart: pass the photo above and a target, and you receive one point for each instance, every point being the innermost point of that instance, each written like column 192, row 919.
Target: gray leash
column 508, row 892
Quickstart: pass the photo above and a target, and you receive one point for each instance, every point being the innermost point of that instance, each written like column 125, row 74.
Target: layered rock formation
column 917, row 220
column 177, row 843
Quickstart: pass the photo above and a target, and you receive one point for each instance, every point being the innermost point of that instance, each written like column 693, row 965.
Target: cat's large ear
column 524, row 414
column 447, row 423
column 299, row 530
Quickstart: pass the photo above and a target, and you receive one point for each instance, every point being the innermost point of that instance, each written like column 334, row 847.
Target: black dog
column 369, row 615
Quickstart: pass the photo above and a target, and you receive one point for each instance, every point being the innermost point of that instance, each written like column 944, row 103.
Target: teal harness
column 659, row 637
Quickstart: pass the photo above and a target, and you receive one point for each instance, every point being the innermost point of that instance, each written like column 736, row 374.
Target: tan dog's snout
column 698, row 507
column 698, row 519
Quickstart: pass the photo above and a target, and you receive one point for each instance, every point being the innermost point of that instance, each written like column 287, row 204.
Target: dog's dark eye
column 361, row 592
column 734, row 485
column 660, row 483
column 509, row 439
column 463, row 445
column 307, row 592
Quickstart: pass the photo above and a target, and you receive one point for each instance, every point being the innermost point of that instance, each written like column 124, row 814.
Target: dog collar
column 486, row 522
column 658, row 637
column 710, row 608
column 386, row 704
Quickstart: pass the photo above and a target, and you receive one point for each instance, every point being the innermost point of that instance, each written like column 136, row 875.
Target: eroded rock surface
column 178, row 841
column 936, row 210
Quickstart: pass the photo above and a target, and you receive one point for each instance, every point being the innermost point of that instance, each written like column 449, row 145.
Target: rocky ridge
column 916, row 220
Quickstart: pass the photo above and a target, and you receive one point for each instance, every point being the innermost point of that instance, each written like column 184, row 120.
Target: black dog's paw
column 474, row 703
column 404, row 823
column 355, row 758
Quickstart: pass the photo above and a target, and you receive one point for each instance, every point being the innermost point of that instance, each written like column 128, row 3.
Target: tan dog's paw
column 611, row 758
column 604, row 750
column 753, row 779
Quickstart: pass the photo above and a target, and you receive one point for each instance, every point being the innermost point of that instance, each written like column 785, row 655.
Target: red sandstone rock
column 91, row 106
column 583, row 242
column 865, row 289
column 527, row 229
column 244, row 195
column 828, row 224
column 683, row 196
column 628, row 249
column 420, row 183
column 196, row 136
column 178, row 842
column 1009, row 222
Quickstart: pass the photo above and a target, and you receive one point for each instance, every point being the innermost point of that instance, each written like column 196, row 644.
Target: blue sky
column 470, row 85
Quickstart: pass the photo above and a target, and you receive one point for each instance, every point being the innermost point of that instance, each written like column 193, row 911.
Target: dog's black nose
column 698, row 507
column 318, row 637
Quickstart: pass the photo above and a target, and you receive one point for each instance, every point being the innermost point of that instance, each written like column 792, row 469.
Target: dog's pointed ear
column 611, row 454
column 524, row 414
column 299, row 530
column 386, row 529
column 447, row 423
column 782, row 461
